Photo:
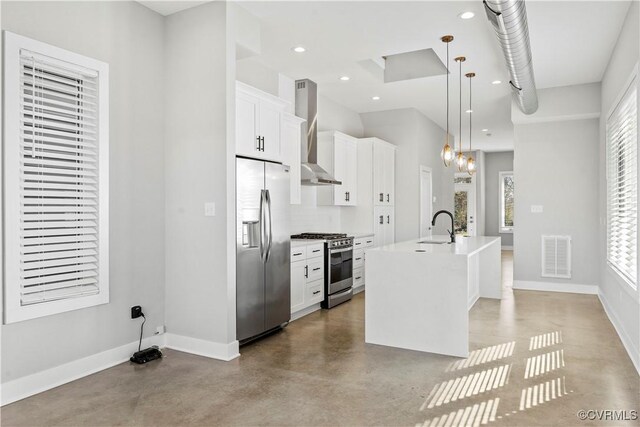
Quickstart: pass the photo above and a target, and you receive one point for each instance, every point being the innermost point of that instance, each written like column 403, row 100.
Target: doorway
column 426, row 201
column 464, row 205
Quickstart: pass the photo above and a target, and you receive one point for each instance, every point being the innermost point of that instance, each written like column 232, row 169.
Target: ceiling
column 338, row 35
column 167, row 7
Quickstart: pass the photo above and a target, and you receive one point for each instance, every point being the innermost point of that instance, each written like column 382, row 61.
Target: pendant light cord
column 471, row 112
column 460, row 118
column 447, row 92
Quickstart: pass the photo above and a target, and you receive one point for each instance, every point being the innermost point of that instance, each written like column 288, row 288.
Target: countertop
column 359, row 235
column 463, row 246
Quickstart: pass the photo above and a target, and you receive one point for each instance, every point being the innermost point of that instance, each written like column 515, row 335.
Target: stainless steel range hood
column 307, row 108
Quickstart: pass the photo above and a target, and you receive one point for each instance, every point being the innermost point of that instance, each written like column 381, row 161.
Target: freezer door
column 250, row 245
column 278, row 271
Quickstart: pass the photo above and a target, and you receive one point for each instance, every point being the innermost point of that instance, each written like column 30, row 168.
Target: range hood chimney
column 307, row 108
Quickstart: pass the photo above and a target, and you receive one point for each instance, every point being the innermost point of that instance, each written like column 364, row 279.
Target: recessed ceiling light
column 375, row 98
column 299, row 49
column 467, row 15
column 469, row 111
column 496, row 82
column 485, row 130
column 344, row 78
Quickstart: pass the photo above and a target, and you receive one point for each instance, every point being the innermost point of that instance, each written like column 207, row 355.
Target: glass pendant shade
column 471, row 165
column 447, row 154
column 461, row 161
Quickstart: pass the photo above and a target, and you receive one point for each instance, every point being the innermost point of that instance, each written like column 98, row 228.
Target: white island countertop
column 419, row 294
column 463, row 246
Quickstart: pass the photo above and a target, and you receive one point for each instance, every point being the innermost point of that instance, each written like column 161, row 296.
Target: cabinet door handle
column 369, row 241
column 387, row 219
column 346, row 196
column 262, row 138
column 381, row 219
column 297, row 254
column 359, row 277
column 306, row 271
column 315, row 250
column 382, row 197
column 387, row 197
column 316, row 292
column 258, row 143
column 316, row 269
column 358, row 259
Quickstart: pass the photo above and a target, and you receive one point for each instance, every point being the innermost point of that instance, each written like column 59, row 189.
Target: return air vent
column 556, row 256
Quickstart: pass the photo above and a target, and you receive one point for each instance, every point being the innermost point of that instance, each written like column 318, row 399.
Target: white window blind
column 622, row 191
column 56, row 180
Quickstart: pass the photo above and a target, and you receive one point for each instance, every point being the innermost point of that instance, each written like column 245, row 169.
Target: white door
column 340, row 154
column 465, row 208
column 298, row 282
column 379, row 225
column 352, row 172
column 390, row 175
column 426, row 201
column 269, row 131
column 247, row 112
column 379, row 197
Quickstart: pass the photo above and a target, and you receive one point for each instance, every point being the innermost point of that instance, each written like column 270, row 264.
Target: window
column 506, row 202
column 622, row 190
column 56, row 180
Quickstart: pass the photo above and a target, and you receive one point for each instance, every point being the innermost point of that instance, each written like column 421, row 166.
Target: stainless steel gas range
column 338, row 270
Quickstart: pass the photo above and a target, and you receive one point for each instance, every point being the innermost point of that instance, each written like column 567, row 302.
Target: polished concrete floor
column 537, row 359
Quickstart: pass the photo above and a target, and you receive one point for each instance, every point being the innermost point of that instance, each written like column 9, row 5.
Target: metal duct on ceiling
column 509, row 19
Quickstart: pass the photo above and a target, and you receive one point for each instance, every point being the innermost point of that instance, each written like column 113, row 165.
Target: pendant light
column 461, row 160
column 447, row 152
column 471, row 162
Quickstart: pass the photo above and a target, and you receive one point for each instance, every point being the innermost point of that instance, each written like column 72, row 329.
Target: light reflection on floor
column 494, row 381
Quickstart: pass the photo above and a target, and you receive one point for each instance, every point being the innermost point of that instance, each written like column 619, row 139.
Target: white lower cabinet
column 307, row 276
column 360, row 247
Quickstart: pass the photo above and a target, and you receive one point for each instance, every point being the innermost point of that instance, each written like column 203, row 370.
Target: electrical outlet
column 136, row 311
column 209, row 209
column 160, row 330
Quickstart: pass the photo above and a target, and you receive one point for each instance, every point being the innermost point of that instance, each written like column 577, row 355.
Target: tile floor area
column 538, row 358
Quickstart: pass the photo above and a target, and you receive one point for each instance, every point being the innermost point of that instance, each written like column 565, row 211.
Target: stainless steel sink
column 433, row 242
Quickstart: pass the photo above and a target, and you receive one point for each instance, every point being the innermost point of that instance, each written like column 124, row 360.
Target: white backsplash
column 308, row 217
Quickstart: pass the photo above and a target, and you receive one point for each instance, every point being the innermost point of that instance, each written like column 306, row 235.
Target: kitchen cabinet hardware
column 382, row 197
column 388, row 219
column 306, row 271
column 316, row 292
column 381, row 219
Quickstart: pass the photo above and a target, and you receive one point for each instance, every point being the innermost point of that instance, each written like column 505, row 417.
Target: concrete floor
column 546, row 356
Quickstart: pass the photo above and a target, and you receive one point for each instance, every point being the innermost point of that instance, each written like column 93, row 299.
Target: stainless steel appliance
column 263, row 276
column 338, row 272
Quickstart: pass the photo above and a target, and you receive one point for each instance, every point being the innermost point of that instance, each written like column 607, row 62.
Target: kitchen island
column 419, row 294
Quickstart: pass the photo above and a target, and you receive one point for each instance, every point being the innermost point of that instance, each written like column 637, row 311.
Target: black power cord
column 141, row 330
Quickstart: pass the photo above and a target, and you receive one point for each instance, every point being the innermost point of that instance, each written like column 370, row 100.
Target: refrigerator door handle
column 270, row 233
column 263, row 237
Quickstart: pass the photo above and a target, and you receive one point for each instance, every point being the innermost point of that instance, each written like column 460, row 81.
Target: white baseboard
column 573, row 288
column 507, row 248
column 308, row 310
column 358, row 289
column 29, row 385
column 634, row 353
column 214, row 350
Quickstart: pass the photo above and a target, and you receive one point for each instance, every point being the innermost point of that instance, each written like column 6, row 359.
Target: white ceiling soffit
column 412, row 65
column 167, row 7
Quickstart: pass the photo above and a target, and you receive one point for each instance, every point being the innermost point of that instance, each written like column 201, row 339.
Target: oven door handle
column 337, row 251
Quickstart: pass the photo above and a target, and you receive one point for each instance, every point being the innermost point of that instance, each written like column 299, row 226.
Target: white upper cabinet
column 338, row 155
column 291, row 139
column 258, row 115
column 383, row 173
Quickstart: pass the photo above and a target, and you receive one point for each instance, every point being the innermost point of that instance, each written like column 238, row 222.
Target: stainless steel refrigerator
column 263, row 276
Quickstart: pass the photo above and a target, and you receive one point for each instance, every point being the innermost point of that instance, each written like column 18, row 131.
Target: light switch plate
column 209, row 209
column 537, row 208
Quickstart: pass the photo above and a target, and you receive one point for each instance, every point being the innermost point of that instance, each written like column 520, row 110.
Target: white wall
column 419, row 142
column 555, row 165
column 200, row 89
column 131, row 41
column 494, row 163
column 618, row 298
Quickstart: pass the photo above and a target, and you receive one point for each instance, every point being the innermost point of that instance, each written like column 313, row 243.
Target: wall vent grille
column 556, row 256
